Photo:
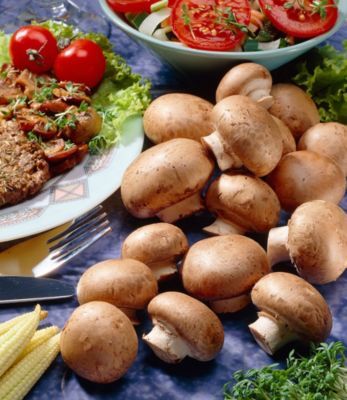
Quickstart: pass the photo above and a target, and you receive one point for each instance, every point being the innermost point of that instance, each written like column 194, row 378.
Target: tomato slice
column 132, row 6
column 301, row 18
column 211, row 24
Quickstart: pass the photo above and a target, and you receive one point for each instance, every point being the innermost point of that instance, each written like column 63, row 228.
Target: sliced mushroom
column 294, row 107
column 303, row 176
column 290, row 309
column 288, row 140
column 222, row 270
column 328, row 139
column 248, row 79
column 159, row 246
column 88, row 125
column 315, row 240
column 166, row 180
column 183, row 327
column 242, row 203
column 127, row 284
column 245, row 135
column 177, row 115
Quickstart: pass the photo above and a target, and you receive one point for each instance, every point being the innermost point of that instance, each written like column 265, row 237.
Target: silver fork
column 85, row 230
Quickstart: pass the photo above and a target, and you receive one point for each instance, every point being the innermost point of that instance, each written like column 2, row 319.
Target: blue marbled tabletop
column 149, row 378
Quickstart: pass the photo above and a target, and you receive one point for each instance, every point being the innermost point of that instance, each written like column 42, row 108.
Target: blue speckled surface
column 149, row 378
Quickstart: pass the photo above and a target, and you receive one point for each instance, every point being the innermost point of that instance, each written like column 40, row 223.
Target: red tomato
column 210, row 24
column 33, row 47
column 301, row 19
column 132, row 6
column 82, row 62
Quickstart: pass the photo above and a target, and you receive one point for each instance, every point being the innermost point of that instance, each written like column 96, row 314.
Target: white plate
column 68, row 196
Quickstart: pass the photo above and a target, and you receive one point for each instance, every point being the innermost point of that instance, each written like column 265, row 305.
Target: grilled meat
column 23, row 168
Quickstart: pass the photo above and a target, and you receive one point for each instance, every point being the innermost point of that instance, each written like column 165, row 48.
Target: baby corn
column 5, row 326
column 40, row 337
column 13, row 342
column 22, row 376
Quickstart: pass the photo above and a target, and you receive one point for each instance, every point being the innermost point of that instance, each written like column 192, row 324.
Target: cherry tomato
column 133, row 6
column 33, row 47
column 301, row 19
column 210, row 24
column 82, row 62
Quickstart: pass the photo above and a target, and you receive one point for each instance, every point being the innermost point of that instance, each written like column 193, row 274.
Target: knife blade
column 24, row 289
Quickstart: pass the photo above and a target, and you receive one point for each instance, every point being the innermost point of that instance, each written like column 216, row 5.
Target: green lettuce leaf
column 121, row 95
column 324, row 77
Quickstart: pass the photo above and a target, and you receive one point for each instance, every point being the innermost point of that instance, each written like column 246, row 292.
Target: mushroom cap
column 293, row 300
column 244, row 79
column 164, row 175
column 294, row 107
column 177, row 115
column 248, row 131
column 191, row 320
column 155, row 242
column 329, row 139
column 317, row 241
column 288, row 140
column 222, row 267
column 124, row 283
column 99, row 342
column 245, row 200
column 303, row 176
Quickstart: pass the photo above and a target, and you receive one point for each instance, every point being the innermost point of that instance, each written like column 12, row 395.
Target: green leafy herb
column 83, row 107
column 45, row 93
column 68, row 118
column 323, row 376
column 185, row 14
column 68, row 144
column 323, row 75
column 320, row 7
column 33, row 137
column 227, row 17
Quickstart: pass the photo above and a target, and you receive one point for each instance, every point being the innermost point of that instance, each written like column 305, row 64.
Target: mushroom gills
column 270, row 333
column 163, row 269
column 166, row 344
column 230, row 305
column 222, row 227
column 258, row 90
column 131, row 313
column 224, row 160
column 182, row 209
column 277, row 250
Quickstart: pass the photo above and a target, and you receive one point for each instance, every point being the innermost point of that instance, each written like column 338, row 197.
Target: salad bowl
column 188, row 60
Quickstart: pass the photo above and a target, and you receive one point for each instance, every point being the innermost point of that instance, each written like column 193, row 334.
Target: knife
column 24, row 289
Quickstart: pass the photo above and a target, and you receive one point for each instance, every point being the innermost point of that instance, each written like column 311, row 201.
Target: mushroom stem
column 230, row 305
column 222, row 227
column 166, row 344
column 182, row 209
column 131, row 314
column 163, row 269
column 277, row 245
column 215, row 144
column 270, row 333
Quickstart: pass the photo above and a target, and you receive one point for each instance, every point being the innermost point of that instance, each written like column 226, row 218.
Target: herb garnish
column 227, row 17
column 67, row 118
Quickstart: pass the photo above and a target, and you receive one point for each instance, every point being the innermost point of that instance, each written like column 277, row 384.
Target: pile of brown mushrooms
column 272, row 153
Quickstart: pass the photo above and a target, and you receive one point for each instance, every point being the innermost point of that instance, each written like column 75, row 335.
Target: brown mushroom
column 294, row 107
column 248, row 79
column 242, row 203
column 245, row 135
column 128, row 284
column 183, row 326
column 303, row 176
column 288, row 140
column 166, row 180
column 159, row 246
column 328, row 139
column 99, row 342
column 177, row 115
column 315, row 240
column 290, row 309
column 222, row 270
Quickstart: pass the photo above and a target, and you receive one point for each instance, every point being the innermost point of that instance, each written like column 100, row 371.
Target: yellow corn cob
column 40, row 337
column 5, row 326
column 13, row 342
column 21, row 377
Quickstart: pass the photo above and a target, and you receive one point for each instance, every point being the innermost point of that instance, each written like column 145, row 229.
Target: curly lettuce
column 121, row 95
column 324, row 77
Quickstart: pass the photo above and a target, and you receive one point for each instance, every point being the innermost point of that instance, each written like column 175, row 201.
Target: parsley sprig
column 323, row 376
